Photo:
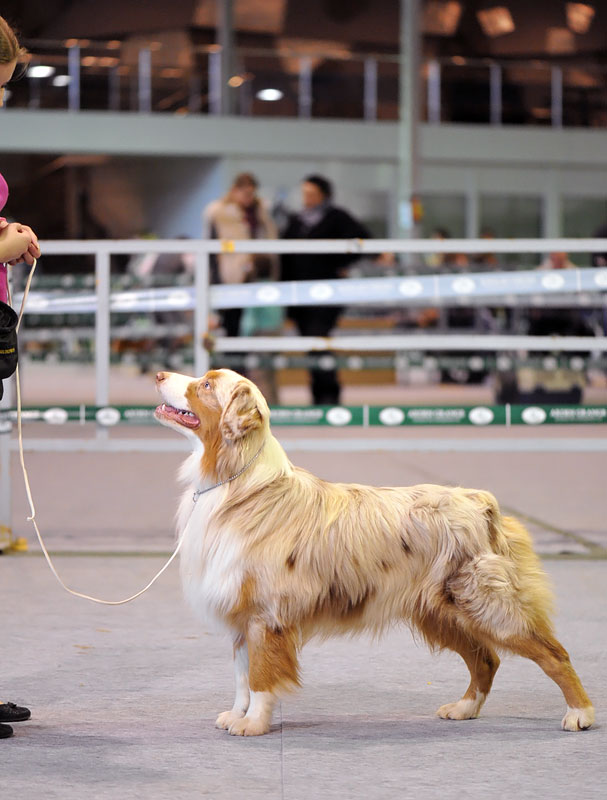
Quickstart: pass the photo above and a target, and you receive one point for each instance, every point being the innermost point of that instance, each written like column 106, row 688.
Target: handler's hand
column 29, row 239
column 33, row 251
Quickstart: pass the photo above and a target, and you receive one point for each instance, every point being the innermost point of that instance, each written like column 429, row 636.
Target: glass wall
column 582, row 216
column 512, row 217
column 444, row 212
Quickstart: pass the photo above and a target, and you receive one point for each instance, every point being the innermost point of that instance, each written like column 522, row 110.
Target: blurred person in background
column 457, row 318
column 156, row 270
column 561, row 321
column 17, row 243
column 600, row 259
column 240, row 214
column 486, row 260
column 557, row 261
column 319, row 219
column 263, row 321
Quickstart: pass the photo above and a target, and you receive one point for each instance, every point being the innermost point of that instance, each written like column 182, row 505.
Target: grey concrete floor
column 124, row 700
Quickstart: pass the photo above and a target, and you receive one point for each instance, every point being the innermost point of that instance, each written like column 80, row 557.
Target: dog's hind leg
column 273, row 667
column 241, row 674
column 480, row 659
column 542, row 647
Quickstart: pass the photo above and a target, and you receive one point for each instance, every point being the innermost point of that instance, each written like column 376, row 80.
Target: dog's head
column 222, row 404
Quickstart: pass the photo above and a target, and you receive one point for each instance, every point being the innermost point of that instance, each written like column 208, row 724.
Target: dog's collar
column 197, row 493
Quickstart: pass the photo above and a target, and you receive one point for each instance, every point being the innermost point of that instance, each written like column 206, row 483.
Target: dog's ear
column 241, row 414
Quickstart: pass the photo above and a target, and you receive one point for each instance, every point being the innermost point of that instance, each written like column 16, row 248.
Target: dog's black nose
column 161, row 376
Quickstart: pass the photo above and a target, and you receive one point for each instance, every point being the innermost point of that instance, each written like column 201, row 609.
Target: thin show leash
column 30, row 499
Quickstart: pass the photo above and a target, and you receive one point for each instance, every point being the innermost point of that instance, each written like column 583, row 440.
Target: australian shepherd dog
column 274, row 555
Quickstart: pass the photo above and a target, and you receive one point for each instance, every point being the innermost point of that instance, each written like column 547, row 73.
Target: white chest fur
column 211, row 556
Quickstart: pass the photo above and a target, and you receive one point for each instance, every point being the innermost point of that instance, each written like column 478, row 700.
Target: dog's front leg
column 272, row 667
column 241, row 674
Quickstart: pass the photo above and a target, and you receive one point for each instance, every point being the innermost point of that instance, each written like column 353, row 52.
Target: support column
column 225, row 38
column 201, row 313
column 552, row 207
column 102, row 335
column 408, row 167
column 473, row 212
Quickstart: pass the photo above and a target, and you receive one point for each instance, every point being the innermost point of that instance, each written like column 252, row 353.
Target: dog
column 275, row 555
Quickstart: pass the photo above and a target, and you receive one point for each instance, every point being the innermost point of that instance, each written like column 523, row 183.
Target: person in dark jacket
column 319, row 219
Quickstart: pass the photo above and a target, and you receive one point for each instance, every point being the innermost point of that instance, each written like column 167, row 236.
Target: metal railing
column 581, row 281
column 404, row 290
column 116, row 76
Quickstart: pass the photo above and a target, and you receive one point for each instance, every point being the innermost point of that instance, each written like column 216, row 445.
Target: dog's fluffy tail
column 505, row 591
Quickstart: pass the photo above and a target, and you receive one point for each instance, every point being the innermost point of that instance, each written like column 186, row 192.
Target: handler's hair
column 10, row 49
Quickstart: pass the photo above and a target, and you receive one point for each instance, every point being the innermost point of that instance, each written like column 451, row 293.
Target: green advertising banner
column 336, row 416
column 558, row 415
column 394, row 416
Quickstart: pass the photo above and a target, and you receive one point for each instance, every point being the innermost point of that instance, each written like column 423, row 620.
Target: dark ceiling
column 359, row 24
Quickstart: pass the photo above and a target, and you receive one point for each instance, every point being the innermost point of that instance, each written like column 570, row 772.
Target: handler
column 17, row 243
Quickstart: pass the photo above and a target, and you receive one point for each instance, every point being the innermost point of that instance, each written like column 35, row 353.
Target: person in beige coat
column 240, row 214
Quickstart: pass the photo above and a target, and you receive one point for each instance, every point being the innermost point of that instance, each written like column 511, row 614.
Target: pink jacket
column 3, row 272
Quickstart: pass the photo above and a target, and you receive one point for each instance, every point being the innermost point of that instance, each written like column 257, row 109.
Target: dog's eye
column 207, row 385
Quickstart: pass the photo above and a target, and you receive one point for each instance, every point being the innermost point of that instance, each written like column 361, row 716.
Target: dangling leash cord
column 30, row 499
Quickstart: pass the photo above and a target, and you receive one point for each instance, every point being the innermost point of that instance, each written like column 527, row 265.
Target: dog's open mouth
column 180, row 415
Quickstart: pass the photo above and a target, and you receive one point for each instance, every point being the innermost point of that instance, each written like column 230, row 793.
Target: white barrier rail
column 323, row 246
column 201, row 249
column 414, row 341
column 473, row 287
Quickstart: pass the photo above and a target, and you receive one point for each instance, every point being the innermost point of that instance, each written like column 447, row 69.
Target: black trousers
column 230, row 319
column 311, row 321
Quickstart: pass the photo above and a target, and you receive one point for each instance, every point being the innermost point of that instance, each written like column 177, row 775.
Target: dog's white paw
column 578, row 719
column 465, row 708
column 224, row 720
column 249, row 726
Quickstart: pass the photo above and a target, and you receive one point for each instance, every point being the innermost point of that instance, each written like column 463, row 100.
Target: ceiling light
column 40, row 71
column 270, row 95
column 236, row 81
column 61, row 80
column 579, row 17
column 559, row 40
column 441, row 18
column 496, row 21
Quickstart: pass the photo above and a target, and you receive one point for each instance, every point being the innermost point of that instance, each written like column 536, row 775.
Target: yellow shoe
column 19, row 545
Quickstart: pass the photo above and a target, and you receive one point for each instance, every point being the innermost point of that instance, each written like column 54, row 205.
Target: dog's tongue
column 186, row 418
